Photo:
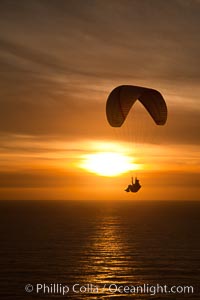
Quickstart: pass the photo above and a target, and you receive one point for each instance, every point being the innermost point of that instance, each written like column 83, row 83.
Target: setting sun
column 108, row 163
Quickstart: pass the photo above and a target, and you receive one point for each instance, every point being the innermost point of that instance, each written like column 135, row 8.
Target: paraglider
column 121, row 100
column 133, row 187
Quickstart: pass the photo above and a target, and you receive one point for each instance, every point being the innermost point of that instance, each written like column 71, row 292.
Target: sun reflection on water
column 108, row 256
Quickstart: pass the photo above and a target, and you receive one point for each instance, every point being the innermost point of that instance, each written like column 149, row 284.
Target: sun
column 108, row 163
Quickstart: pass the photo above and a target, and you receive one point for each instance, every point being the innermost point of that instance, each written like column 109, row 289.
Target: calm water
column 99, row 243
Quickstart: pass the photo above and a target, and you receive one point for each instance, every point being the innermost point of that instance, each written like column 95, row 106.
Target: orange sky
column 59, row 62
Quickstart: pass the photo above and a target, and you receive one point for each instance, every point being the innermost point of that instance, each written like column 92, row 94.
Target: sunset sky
column 59, row 60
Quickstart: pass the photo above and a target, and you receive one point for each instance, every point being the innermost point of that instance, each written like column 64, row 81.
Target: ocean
column 100, row 250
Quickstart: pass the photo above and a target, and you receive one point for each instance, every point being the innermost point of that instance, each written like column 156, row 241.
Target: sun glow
column 108, row 163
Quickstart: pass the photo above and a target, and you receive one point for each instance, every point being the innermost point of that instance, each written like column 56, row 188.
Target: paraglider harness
column 134, row 187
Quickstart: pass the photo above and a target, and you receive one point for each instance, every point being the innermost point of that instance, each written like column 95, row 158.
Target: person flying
column 133, row 187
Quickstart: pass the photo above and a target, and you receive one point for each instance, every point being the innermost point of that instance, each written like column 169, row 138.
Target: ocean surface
column 99, row 250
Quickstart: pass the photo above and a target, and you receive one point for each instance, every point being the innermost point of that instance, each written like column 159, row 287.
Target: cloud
column 129, row 38
column 25, row 185
column 79, row 120
column 60, row 61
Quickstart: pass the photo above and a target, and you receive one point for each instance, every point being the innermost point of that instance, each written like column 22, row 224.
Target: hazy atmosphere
column 59, row 60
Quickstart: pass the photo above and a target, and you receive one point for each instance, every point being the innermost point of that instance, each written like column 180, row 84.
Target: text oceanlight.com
column 64, row 289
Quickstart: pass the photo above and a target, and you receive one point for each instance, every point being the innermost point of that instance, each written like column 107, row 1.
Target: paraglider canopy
column 122, row 98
